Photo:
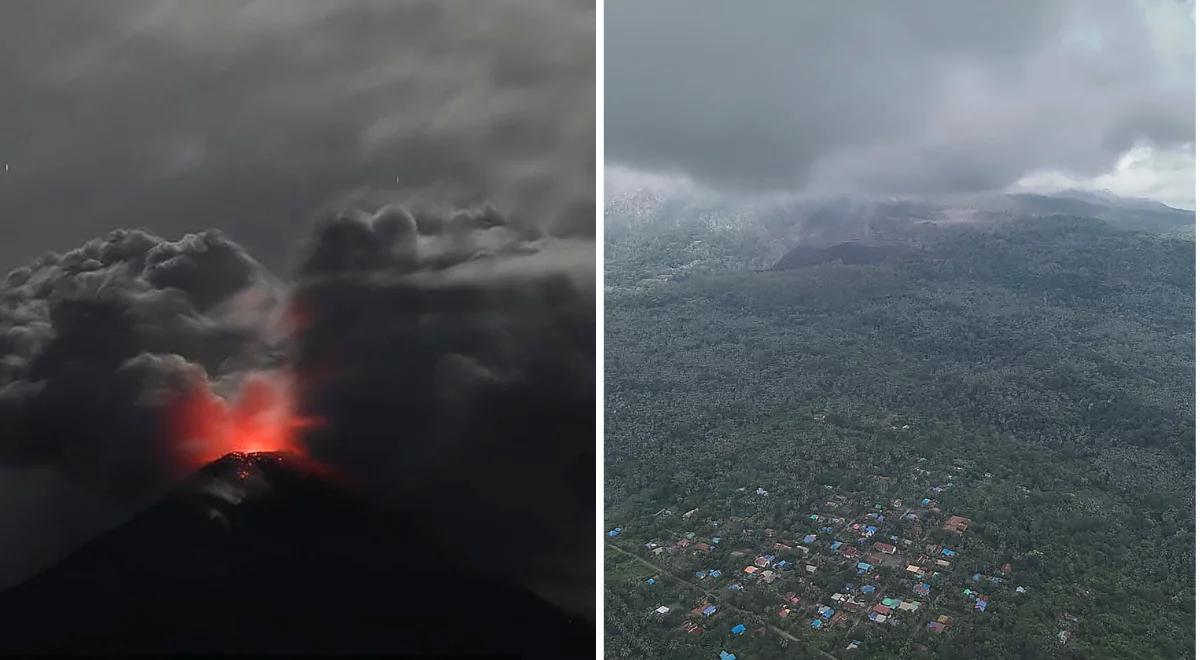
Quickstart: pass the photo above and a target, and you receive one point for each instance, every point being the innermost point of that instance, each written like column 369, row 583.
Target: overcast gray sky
column 251, row 115
column 905, row 98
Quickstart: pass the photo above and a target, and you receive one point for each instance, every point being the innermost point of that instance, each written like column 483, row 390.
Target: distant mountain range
column 267, row 553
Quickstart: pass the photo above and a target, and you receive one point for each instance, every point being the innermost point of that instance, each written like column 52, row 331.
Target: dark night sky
column 252, row 116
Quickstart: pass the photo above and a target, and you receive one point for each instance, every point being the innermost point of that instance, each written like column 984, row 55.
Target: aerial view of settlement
column 885, row 555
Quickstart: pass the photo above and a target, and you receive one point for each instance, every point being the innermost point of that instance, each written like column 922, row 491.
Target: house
column 868, row 589
column 864, row 567
column 837, row 618
column 936, row 627
column 890, row 602
column 944, row 619
column 762, row 562
column 849, row 551
column 658, row 552
column 783, row 613
column 942, row 563
column 921, row 589
column 956, row 524
column 947, row 552
column 876, row 617
column 726, row 655
column 880, row 608
column 615, row 532
column 816, row 624
column 735, row 586
column 750, row 570
column 915, row 570
column 739, row 629
column 809, row 568
column 760, row 492
column 885, row 548
column 702, row 547
column 691, row 513
column 714, row 573
column 837, row 598
column 651, row 581
column 854, row 645
column 981, row 604
column 1020, row 590
column 825, row 611
column 701, row 574
column 792, row 598
column 710, row 610
column 910, row 606
column 769, row 576
column 692, row 629
column 662, row 610
column 835, row 545
column 809, row 539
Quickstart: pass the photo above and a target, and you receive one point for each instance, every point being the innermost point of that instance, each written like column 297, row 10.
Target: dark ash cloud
column 893, row 98
column 95, row 343
column 454, row 361
column 448, row 355
column 252, row 116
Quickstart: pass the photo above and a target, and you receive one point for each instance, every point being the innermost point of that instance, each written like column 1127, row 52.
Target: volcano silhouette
column 265, row 553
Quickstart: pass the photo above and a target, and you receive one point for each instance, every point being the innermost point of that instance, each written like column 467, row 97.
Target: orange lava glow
column 262, row 417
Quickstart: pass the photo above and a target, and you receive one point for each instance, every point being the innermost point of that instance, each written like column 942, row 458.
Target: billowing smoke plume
column 448, row 358
column 454, row 362
column 96, row 346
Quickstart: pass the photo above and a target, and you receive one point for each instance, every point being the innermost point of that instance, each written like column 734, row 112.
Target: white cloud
column 1167, row 175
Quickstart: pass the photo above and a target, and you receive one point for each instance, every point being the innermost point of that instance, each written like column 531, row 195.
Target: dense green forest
column 1049, row 359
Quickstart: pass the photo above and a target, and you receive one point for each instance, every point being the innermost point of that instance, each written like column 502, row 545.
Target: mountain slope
column 263, row 553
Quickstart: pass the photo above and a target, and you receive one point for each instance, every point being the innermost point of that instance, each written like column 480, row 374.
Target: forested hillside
column 1036, row 374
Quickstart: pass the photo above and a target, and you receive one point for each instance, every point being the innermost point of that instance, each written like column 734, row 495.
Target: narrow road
column 659, row 569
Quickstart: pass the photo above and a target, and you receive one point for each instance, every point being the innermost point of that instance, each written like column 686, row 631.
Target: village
column 858, row 561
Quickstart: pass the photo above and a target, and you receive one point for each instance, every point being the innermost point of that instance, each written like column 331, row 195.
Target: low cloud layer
column 252, row 116
column 894, row 98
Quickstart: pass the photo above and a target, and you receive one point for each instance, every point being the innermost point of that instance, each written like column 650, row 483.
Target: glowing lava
column 262, row 417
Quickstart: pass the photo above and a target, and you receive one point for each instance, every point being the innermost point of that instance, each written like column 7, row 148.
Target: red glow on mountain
column 261, row 417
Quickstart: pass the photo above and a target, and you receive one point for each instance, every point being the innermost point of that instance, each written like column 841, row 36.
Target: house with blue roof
column 827, row 530
column 809, row 539
column 925, row 501
column 714, row 573
column 975, row 578
column 922, row 589
column 716, row 540
column 868, row 589
column 980, row 604
column 816, row 624
column 947, row 552
column 615, row 532
column 835, row 545
column 736, row 586
column 726, row 655
column 710, row 610
column 739, row 629
column 701, row 574
column 864, row 567
column 825, row 611
column 651, row 581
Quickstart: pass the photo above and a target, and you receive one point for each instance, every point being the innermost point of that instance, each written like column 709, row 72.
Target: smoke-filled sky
column 370, row 221
column 252, row 115
column 903, row 98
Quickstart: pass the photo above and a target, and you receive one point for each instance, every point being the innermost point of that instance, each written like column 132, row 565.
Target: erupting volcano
column 262, row 417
